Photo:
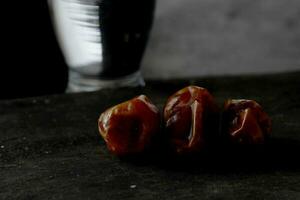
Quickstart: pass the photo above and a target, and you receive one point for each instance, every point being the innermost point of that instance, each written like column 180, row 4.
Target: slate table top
column 50, row 148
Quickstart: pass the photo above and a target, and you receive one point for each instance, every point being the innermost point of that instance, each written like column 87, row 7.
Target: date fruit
column 245, row 122
column 191, row 119
column 128, row 128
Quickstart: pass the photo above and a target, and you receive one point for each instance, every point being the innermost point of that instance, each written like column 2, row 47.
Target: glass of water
column 103, row 41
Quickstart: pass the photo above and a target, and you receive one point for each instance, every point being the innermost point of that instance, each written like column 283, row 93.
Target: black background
column 32, row 63
column 189, row 39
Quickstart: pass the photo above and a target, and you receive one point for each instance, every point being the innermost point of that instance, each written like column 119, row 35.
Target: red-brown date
column 245, row 122
column 128, row 128
column 190, row 119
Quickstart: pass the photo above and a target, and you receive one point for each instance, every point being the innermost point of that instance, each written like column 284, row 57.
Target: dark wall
column 32, row 63
column 215, row 37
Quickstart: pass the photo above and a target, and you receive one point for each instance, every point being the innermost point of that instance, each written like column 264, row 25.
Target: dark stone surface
column 50, row 148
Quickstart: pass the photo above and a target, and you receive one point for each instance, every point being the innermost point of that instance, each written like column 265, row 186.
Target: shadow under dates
column 276, row 154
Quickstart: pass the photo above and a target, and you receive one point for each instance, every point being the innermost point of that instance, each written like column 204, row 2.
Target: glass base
column 83, row 83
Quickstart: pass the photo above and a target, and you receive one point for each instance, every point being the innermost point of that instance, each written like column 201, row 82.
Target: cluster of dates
column 191, row 123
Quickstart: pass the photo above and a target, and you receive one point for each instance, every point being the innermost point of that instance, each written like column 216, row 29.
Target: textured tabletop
column 50, row 148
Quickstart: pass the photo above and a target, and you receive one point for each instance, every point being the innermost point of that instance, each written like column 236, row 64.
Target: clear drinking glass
column 103, row 41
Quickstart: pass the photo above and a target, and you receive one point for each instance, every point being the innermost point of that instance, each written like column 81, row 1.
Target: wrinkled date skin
column 128, row 128
column 190, row 117
column 244, row 122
